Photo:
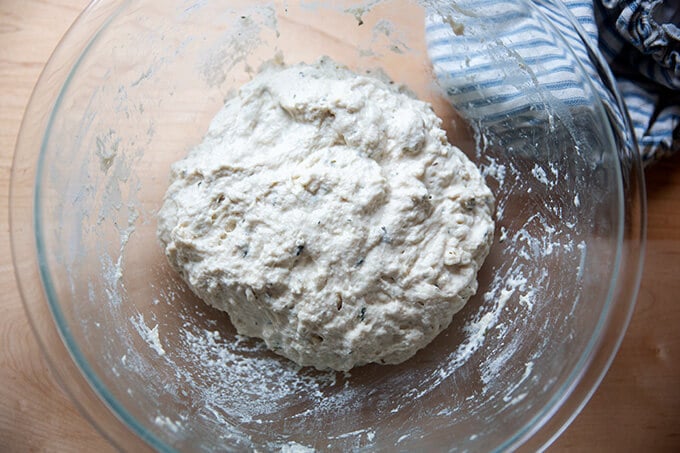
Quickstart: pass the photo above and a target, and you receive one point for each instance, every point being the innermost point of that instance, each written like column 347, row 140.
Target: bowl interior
column 143, row 93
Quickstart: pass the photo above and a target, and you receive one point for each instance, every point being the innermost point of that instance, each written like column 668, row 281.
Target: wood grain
column 637, row 407
column 35, row 415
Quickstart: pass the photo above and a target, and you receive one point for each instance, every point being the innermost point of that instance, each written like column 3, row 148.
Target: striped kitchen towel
column 497, row 59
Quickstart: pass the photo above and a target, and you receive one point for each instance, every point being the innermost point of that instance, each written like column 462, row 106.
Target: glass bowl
column 133, row 86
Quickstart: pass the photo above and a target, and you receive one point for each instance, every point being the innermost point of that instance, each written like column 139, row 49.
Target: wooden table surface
column 637, row 407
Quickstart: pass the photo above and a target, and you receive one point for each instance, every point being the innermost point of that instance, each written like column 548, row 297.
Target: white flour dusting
column 166, row 422
column 239, row 383
column 253, row 386
column 293, row 447
column 494, row 169
column 151, row 336
column 540, row 174
column 238, row 390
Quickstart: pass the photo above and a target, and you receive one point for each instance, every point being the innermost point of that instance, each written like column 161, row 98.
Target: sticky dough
column 326, row 212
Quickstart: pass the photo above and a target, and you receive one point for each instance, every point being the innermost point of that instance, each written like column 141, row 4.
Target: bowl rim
column 56, row 341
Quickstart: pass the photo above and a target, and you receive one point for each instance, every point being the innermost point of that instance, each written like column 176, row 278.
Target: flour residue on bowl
column 254, row 384
column 238, row 388
column 168, row 423
column 236, row 382
column 243, row 34
column 149, row 335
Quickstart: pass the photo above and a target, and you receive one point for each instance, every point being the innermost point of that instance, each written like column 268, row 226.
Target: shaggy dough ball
column 328, row 215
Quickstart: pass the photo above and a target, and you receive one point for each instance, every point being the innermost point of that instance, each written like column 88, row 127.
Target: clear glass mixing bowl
column 133, row 86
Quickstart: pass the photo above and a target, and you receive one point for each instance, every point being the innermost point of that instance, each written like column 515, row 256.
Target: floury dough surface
column 328, row 215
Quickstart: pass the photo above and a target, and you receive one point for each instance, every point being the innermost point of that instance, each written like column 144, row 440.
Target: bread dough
column 326, row 212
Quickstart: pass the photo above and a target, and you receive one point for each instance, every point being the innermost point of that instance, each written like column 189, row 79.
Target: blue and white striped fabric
column 640, row 39
column 496, row 58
